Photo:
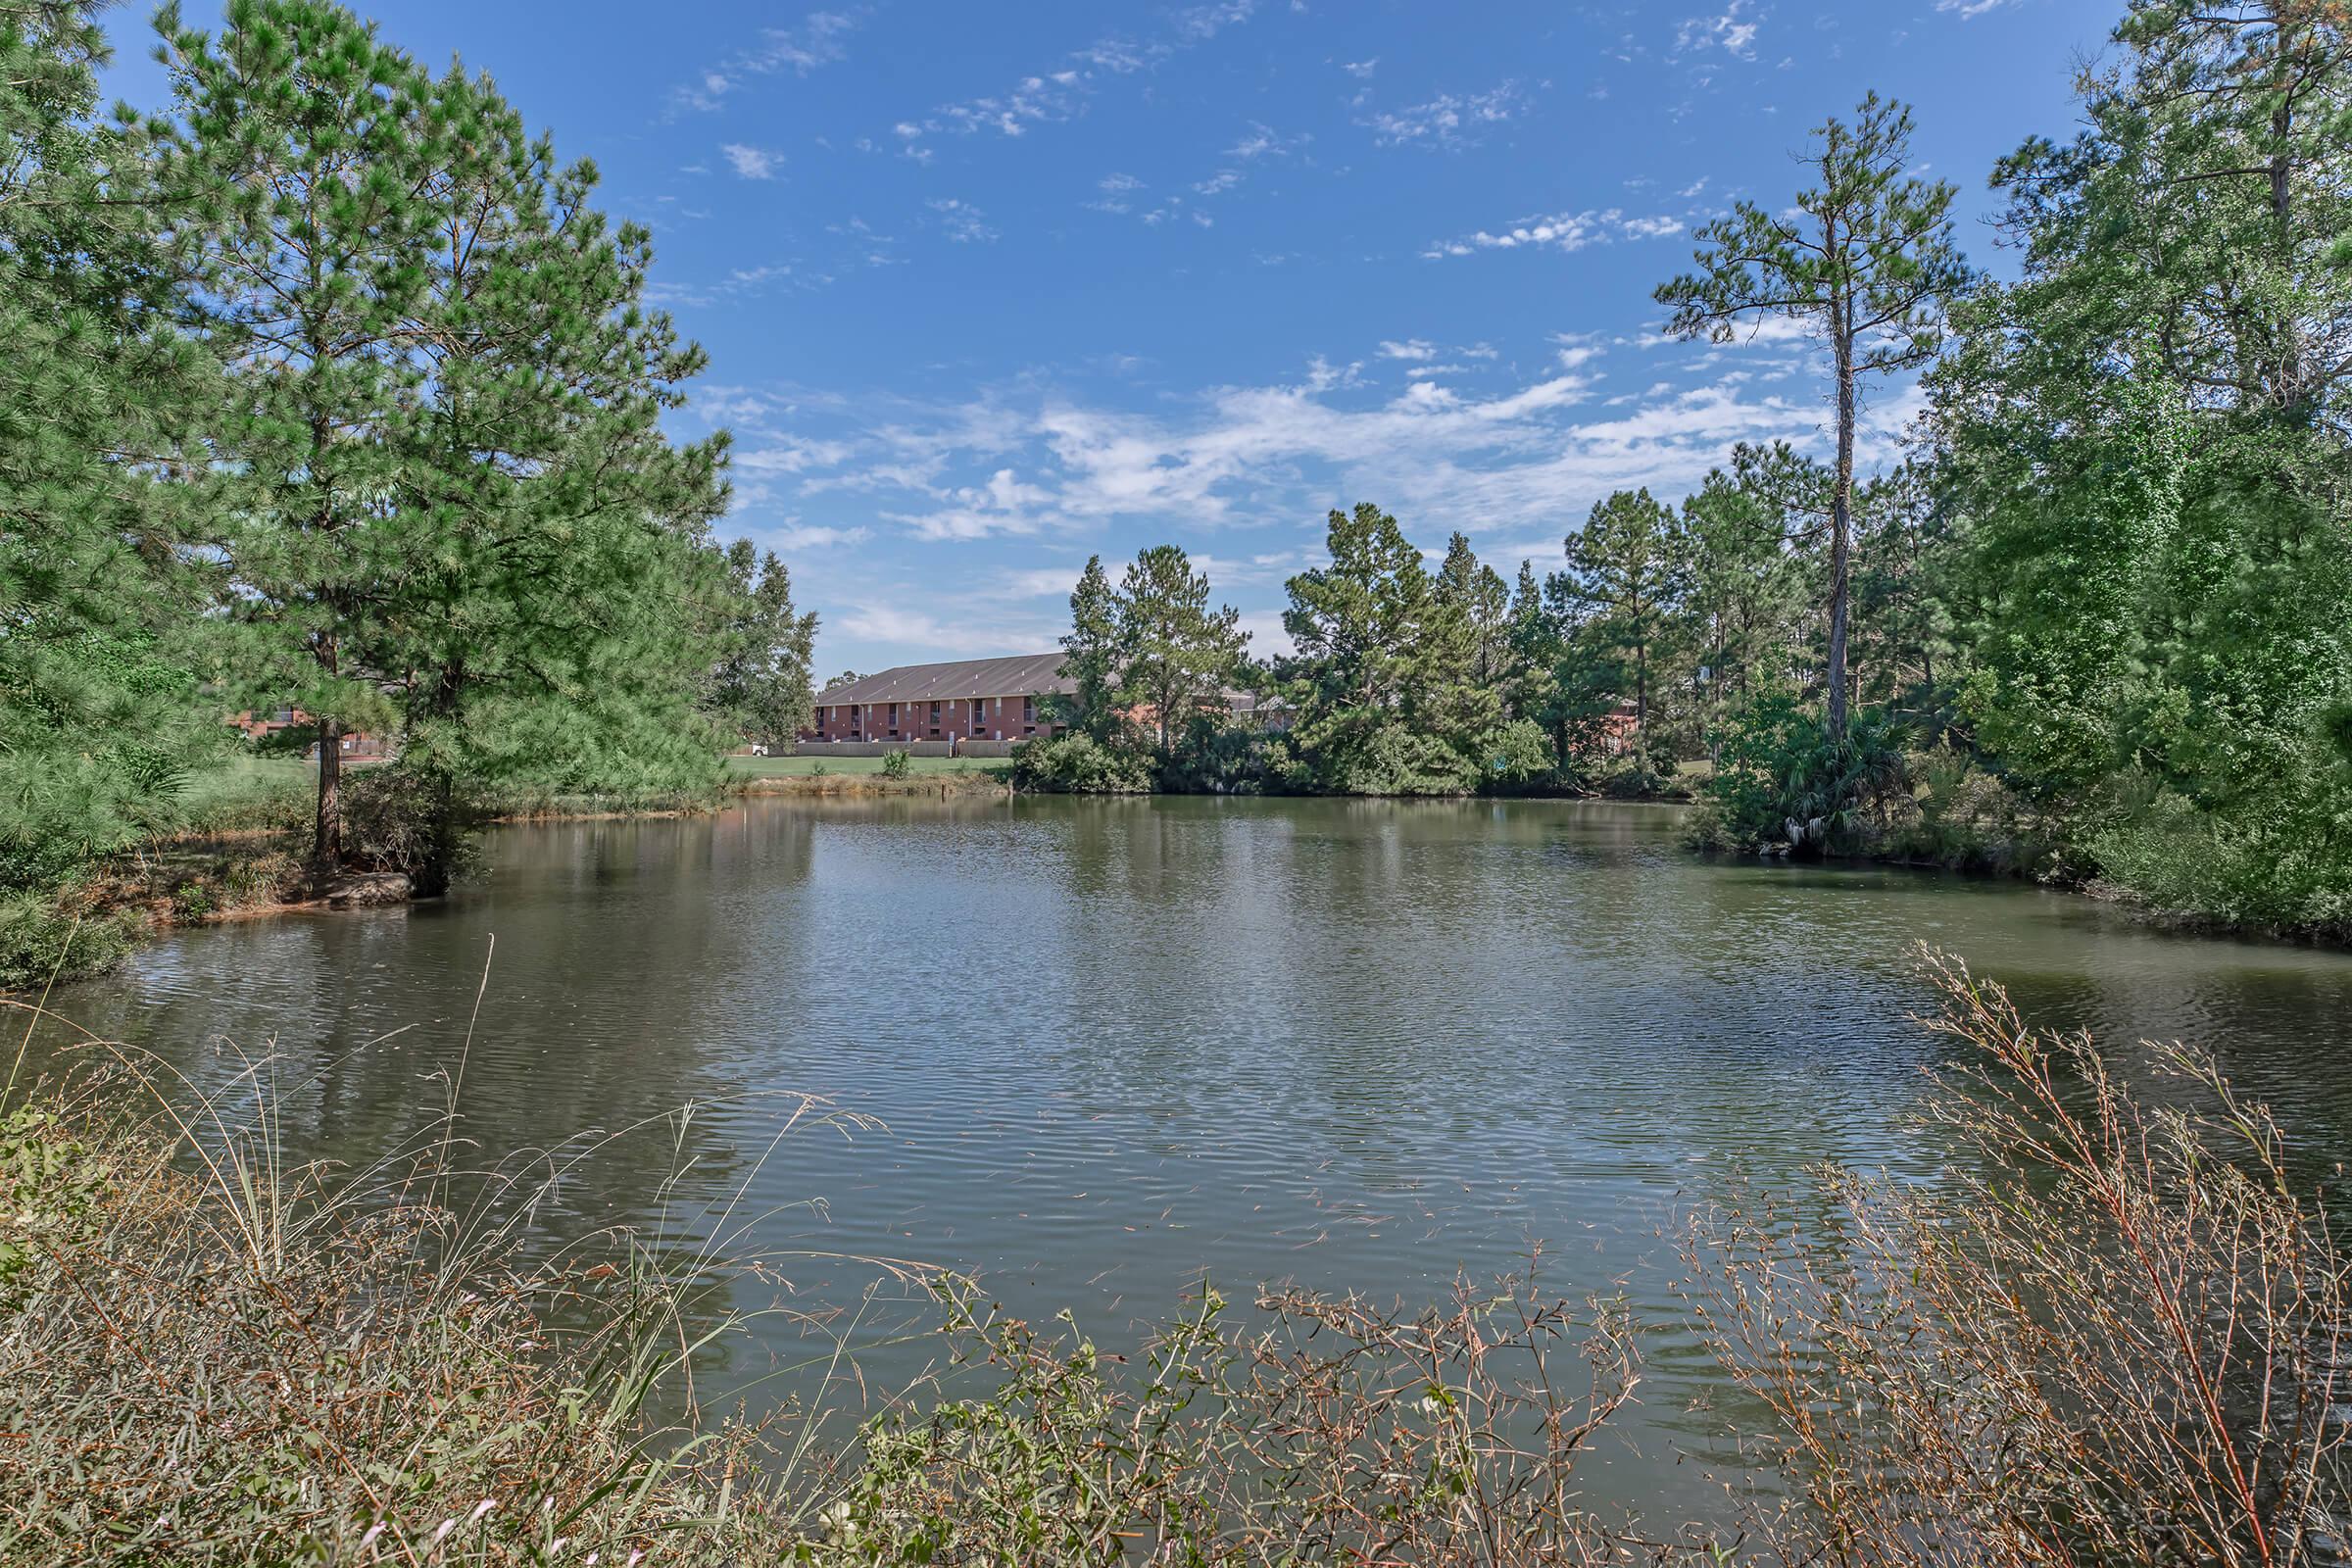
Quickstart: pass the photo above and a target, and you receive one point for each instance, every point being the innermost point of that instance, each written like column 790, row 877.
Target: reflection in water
column 1121, row 1043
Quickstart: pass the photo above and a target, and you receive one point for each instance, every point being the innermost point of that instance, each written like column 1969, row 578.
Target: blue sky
column 990, row 288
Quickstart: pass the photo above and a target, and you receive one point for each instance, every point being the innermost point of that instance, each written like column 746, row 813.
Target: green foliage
column 54, row 933
column 457, row 517
column 51, row 1186
column 1784, row 781
column 760, row 688
column 1386, row 660
column 2282, row 864
column 1090, row 656
column 100, row 720
column 1627, row 575
column 1077, row 763
column 894, row 764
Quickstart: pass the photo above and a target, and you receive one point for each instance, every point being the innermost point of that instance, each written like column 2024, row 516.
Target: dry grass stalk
column 2114, row 1333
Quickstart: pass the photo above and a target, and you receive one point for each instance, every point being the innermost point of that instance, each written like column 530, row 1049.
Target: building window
column 935, row 714
column 979, row 711
column 1028, row 709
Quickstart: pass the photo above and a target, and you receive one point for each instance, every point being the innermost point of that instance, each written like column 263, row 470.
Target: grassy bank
column 850, row 776
column 2109, row 1336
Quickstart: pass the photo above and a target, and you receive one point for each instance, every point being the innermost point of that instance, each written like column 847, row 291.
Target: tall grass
column 2113, row 1332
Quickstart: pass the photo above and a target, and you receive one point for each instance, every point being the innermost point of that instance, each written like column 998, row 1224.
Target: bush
column 1077, row 763
column 63, row 936
column 409, row 820
column 1516, row 756
column 1781, row 782
column 283, row 1365
column 2281, row 866
column 894, row 765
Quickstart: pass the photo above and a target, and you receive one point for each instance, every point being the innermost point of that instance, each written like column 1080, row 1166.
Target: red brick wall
column 1003, row 719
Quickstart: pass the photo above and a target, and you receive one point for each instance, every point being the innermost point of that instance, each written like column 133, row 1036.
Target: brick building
column 969, row 699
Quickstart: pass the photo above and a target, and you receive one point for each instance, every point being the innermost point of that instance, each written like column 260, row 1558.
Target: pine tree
column 760, row 688
column 1360, row 625
column 318, row 179
column 101, row 716
column 1091, row 655
column 1624, row 581
column 1872, row 269
column 1177, row 656
column 560, row 617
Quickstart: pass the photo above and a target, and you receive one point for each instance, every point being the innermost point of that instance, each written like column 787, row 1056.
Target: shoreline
column 233, row 874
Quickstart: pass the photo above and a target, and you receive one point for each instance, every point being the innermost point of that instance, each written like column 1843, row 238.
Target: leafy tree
column 1176, row 655
column 761, row 687
column 1869, row 263
column 100, row 714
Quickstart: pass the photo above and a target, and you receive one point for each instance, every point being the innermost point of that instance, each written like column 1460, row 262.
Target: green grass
column 247, row 792
column 792, row 767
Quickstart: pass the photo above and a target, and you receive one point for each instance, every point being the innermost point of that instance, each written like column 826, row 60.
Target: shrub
column 2282, row 864
column 411, row 820
column 284, row 1365
column 1077, row 763
column 894, row 765
column 1516, row 756
column 1781, row 781
column 45, row 935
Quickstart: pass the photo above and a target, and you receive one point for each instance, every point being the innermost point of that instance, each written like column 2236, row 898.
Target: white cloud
column 811, row 536
column 1264, row 141
column 752, row 163
column 902, row 627
column 960, row 220
column 1970, row 10
column 1360, row 69
column 1061, row 93
column 1565, row 232
column 816, row 41
column 790, row 457
column 1411, row 349
column 1448, row 120
column 1732, row 32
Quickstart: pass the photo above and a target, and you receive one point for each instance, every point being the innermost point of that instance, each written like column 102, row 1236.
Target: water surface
column 1119, row 1044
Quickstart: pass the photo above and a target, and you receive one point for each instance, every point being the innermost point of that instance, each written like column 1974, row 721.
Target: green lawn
column 247, row 792
column 786, row 766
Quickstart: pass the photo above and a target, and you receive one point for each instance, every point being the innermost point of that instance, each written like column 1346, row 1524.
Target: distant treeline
column 2094, row 626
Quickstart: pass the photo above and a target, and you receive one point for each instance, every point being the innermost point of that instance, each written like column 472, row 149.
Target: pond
column 1115, row 1045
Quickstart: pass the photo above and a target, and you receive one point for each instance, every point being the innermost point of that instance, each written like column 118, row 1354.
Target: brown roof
column 1016, row 675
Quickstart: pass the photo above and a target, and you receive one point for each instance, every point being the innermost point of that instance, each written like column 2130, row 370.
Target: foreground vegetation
column 2113, row 1333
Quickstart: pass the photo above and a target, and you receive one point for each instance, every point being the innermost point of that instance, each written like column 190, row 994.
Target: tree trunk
column 1842, row 520
column 326, row 833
